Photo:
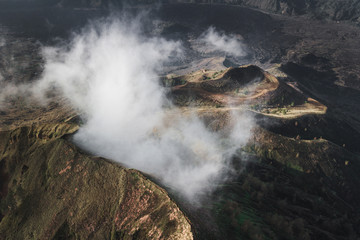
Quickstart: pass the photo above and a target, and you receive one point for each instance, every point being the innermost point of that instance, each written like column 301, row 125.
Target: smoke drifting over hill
column 228, row 44
column 109, row 72
column 2, row 41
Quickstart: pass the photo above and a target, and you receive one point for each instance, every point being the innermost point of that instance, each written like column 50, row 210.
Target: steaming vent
column 109, row 72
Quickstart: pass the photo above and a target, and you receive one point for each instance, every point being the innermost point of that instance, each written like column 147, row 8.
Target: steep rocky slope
column 50, row 189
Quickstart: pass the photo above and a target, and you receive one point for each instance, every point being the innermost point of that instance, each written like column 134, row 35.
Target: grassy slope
column 50, row 189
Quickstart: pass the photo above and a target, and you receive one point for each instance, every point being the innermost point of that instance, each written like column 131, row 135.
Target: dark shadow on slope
column 341, row 124
column 269, row 200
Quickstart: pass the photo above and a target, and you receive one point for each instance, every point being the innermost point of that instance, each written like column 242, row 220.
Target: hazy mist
column 109, row 72
column 229, row 44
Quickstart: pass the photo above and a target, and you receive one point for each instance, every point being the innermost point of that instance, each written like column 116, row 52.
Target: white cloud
column 231, row 45
column 109, row 72
column 2, row 41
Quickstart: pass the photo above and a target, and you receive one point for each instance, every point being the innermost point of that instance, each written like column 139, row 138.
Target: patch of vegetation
column 294, row 166
column 278, row 110
column 284, row 111
column 173, row 81
column 256, row 107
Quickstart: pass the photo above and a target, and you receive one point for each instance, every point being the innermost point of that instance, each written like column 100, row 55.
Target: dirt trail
column 228, row 100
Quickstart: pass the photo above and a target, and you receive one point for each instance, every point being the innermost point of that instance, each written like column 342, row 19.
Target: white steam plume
column 3, row 87
column 215, row 41
column 2, row 41
column 109, row 72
